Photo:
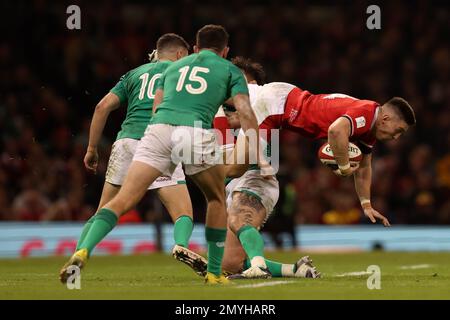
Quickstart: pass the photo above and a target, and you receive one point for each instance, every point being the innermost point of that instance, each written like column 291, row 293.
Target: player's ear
column 385, row 117
column 196, row 49
column 225, row 52
column 181, row 53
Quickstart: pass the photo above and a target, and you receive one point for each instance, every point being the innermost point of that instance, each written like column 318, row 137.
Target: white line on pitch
column 357, row 273
column 264, row 284
column 416, row 266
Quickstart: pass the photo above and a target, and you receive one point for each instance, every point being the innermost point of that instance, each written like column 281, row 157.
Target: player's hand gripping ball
column 326, row 156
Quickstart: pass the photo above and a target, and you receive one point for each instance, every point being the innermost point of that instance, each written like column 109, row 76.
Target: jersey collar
column 375, row 117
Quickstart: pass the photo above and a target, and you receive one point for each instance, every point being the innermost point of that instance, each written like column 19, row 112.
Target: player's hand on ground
column 348, row 172
column 91, row 160
column 373, row 215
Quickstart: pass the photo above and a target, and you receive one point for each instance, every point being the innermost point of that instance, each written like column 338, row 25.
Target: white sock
column 287, row 270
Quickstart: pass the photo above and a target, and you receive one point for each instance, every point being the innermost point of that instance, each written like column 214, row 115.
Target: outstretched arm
column 363, row 180
column 109, row 103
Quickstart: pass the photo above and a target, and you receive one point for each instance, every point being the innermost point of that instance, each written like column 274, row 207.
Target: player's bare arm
column 246, row 114
column 109, row 103
column 238, row 161
column 363, row 179
column 338, row 134
column 248, row 121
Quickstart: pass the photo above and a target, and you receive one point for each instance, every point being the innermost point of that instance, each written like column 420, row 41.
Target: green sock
column 85, row 231
column 253, row 243
column 105, row 221
column 183, row 230
column 215, row 239
column 277, row 269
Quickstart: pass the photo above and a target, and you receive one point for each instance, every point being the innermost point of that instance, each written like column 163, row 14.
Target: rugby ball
column 326, row 156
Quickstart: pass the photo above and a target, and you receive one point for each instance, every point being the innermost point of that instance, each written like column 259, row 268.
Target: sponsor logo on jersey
column 292, row 115
column 164, row 178
column 360, row 122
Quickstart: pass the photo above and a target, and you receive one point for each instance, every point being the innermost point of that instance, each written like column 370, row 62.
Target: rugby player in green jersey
column 137, row 89
column 187, row 98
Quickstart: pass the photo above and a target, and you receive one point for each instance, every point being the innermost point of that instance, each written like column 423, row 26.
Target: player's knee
column 240, row 216
column 120, row 205
column 178, row 209
column 236, row 222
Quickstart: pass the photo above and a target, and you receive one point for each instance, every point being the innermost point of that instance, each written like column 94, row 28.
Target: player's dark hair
column 250, row 67
column 169, row 41
column 403, row 109
column 213, row 37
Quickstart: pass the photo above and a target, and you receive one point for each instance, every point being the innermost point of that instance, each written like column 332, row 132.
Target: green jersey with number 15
column 194, row 88
column 137, row 87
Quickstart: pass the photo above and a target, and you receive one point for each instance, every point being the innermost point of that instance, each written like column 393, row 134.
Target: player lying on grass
column 338, row 117
column 137, row 89
column 188, row 96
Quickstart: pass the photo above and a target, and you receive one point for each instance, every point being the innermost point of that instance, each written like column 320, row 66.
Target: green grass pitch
column 159, row 276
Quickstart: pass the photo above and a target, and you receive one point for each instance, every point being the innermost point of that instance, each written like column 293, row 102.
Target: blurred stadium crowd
column 51, row 79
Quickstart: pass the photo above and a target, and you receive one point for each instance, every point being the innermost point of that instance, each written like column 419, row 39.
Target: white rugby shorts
column 122, row 153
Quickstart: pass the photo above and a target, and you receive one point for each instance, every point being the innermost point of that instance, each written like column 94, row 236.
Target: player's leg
column 120, row 159
column 246, row 214
column 139, row 177
column 210, row 181
column 200, row 162
column 252, row 200
column 109, row 191
column 255, row 207
column 152, row 158
column 303, row 268
column 235, row 260
column 234, row 256
column 176, row 200
column 174, row 195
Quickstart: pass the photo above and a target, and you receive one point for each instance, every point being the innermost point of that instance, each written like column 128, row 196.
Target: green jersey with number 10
column 137, row 87
column 194, row 88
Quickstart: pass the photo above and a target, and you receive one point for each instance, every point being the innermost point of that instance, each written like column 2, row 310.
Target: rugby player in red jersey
column 337, row 117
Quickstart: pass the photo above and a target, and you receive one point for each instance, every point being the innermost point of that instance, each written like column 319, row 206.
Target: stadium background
column 51, row 79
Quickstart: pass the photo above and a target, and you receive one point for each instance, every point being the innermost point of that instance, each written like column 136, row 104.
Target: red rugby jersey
column 312, row 114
